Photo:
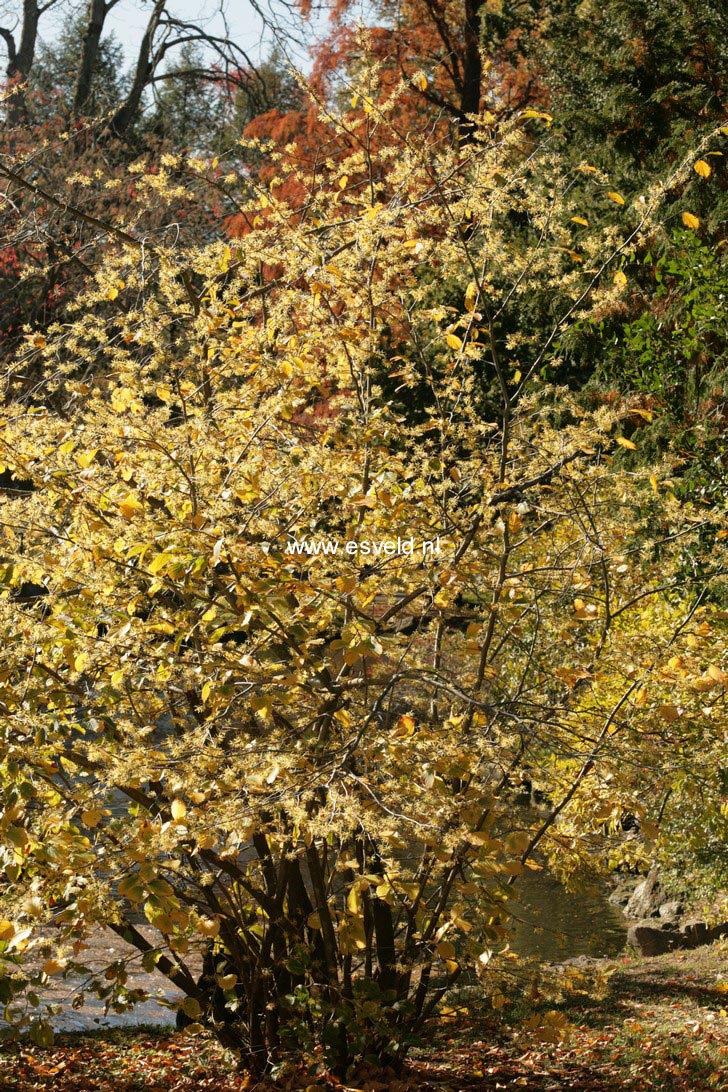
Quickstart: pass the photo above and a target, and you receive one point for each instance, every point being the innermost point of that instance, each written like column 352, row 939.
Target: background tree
column 163, row 36
column 206, row 88
column 55, row 74
column 199, row 110
column 190, row 109
column 442, row 40
column 629, row 83
column 20, row 48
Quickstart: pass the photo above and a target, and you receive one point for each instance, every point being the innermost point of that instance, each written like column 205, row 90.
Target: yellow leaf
column 178, row 809
column 92, row 817
column 616, row 197
column 112, row 293
column 702, row 168
column 531, row 113
column 86, row 458
column 404, row 728
column 194, row 1029
column 668, row 712
column 262, row 703
column 580, row 220
column 419, row 80
column 53, row 966
column 573, row 254
column 446, row 949
column 158, row 563
column 518, row 842
column 7, row 930
column 624, row 442
column 353, row 900
column 690, row 221
column 343, row 181
column 471, row 294
column 484, row 840
column 454, row 342
column 209, row 927
column 129, row 506
column 620, row 279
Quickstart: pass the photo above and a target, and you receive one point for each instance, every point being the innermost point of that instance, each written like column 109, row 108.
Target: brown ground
column 661, row 1027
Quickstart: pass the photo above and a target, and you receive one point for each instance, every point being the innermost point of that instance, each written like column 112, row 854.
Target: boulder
column 646, row 898
column 623, row 890
column 670, row 911
column 694, row 933
column 647, row 939
column 651, row 938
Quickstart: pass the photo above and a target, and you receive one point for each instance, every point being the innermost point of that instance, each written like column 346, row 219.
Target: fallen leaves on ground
column 663, row 1026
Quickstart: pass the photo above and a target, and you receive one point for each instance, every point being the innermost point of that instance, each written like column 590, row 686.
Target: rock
column 671, row 911
column 623, row 890
column 658, row 924
column 646, row 898
column 580, row 961
column 650, row 940
column 694, row 933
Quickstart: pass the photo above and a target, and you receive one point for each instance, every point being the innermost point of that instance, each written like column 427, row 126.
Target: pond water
column 554, row 924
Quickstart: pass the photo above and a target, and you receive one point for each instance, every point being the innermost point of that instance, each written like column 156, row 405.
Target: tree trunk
column 143, row 72
column 98, row 11
column 20, row 60
column 472, row 67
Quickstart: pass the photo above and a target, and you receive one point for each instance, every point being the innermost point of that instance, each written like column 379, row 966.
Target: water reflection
column 554, row 924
